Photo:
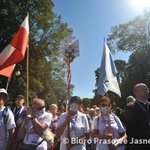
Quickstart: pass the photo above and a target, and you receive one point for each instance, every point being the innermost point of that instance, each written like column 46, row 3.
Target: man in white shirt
column 7, row 123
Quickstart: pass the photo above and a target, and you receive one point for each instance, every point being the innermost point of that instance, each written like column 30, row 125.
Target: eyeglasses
column 147, row 90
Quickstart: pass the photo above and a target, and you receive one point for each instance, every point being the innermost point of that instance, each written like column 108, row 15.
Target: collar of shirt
column 2, row 109
column 142, row 102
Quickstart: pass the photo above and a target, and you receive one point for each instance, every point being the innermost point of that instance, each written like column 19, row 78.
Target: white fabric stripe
column 6, row 53
column 25, row 24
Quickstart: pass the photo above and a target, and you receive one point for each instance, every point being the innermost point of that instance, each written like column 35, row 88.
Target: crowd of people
column 101, row 127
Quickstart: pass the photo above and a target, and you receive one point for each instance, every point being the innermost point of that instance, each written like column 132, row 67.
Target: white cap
column 130, row 98
column 91, row 110
column 2, row 90
column 97, row 108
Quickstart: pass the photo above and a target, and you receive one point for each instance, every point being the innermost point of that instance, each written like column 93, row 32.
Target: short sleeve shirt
column 101, row 125
column 33, row 137
column 54, row 123
column 78, row 126
column 10, row 124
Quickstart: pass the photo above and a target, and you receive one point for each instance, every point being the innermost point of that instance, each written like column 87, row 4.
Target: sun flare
column 141, row 4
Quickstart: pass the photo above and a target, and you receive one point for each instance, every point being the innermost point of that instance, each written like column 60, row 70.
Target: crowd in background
column 22, row 129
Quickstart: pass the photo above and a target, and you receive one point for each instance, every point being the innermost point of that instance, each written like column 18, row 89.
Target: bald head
column 141, row 91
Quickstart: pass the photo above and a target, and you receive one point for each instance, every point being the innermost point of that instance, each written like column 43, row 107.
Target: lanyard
column 73, row 126
column 73, row 122
column 143, row 109
column 109, row 125
column 146, row 112
column 17, row 111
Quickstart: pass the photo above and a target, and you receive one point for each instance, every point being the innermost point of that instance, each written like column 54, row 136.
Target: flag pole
column 107, row 94
column 27, row 93
column 104, row 40
column 8, row 81
column 27, row 96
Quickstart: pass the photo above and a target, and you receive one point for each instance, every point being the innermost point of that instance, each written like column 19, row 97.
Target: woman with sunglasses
column 34, row 125
column 108, row 131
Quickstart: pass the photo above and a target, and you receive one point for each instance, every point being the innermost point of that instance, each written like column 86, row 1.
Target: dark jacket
column 137, row 119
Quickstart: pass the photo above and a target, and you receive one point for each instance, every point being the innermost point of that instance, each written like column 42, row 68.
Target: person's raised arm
column 60, row 129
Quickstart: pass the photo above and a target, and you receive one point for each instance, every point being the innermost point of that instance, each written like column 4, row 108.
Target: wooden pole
column 8, row 80
column 107, row 94
column 27, row 96
column 27, row 93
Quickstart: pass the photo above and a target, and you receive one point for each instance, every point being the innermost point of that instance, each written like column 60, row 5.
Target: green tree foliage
column 138, row 70
column 46, row 71
column 86, row 102
column 133, row 36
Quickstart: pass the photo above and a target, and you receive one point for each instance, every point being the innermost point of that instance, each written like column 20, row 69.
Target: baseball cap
column 20, row 96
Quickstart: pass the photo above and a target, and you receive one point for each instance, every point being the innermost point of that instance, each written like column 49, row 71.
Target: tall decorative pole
column 27, row 94
column 148, row 33
column 69, row 50
column 148, row 48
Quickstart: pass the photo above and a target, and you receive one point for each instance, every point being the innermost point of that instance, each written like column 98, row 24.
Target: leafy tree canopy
column 133, row 36
column 46, row 70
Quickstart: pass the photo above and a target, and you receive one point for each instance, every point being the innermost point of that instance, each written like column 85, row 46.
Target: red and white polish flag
column 15, row 51
column 7, row 71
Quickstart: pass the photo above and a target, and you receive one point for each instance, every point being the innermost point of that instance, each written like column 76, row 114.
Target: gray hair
column 130, row 99
column 137, row 85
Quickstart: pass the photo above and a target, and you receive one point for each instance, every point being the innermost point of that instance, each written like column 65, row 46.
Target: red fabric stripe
column 15, row 57
column 7, row 71
column 20, row 42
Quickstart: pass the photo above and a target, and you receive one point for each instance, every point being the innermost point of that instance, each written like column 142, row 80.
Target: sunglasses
column 40, row 108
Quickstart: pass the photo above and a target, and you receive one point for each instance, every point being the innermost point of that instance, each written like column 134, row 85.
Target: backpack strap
column 116, row 120
column 5, row 115
column 114, row 115
column 97, row 118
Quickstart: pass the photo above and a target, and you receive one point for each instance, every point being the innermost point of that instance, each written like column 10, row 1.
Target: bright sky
column 91, row 21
